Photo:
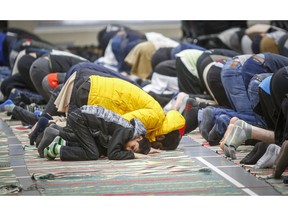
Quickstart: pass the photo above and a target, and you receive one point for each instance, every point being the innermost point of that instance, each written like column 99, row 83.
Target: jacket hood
column 173, row 121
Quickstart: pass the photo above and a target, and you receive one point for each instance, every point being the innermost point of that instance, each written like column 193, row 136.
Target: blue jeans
column 251, row 119
column 221, row 118
column 251, row 67
column 231, row 77
column 253, row 92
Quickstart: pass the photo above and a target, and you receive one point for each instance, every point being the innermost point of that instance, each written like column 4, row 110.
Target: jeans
column 251, row 119
column 251, row 67
column 253, row 88
column 232, row 80
column 221, row 118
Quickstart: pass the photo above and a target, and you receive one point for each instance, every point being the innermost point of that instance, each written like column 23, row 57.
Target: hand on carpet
column 140, row 156
column 154, row 151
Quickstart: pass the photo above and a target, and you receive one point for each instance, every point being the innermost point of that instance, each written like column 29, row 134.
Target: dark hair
column 171, row 140
column 144, row 146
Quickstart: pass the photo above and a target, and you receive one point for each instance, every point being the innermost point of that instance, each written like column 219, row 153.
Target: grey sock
column 236, row 137
column 230, row 151
column 246, row 127
column 267, row 160
column 49, row 135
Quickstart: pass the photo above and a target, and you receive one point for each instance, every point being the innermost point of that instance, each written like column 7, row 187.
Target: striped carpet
column 167, row 173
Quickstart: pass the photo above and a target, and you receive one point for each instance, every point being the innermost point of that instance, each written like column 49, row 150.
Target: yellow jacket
column 130, row 101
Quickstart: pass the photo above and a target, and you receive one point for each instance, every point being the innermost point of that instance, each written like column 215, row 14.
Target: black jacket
column 111, row 131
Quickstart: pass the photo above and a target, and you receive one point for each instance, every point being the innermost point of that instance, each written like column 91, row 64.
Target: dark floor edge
column 16, row 158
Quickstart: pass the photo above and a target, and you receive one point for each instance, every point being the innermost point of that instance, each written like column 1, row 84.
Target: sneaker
column 53, row 150
column 4, row 106
column 49, row 153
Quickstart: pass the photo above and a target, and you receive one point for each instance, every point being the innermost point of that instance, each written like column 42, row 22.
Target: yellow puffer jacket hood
column 173, row 121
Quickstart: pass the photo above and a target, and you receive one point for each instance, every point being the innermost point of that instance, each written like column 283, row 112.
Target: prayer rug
column 167, row 173
column 8, row 181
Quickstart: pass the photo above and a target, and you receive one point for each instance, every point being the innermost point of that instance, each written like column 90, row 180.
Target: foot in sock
column 250, row 154
column 7, row 105
column 48, row 136
column 216, row 133
column 262, row 147
column 53, row 150
column 230, row 151
column 237, row 122
column 180, row 102
column 267, row 160
column 257, row 152
column 281, row 162
column 40, row 127
column 236, row 134
column 214, row 136
column 170, row 104
column 207, row 122
column 235, row 138
column 191, row 115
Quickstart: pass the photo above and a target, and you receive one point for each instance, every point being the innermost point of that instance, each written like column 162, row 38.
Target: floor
column 191, row 145
column 231, row 172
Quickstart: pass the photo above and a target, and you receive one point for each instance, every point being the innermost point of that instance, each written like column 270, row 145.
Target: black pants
column 24, row 115
column 279, row 86
column 214, row 82
column 24, row 65
column 87, row 148
column 14, row 81
column 39, row 69
column 187, row 82
column 266, row 108
column 30, row 118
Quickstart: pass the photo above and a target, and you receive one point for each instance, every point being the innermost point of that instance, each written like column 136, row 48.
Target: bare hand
column 153, row 151
column 139, row 156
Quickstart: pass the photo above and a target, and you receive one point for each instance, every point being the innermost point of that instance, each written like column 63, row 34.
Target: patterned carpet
column 168, row 173
column 8, row 181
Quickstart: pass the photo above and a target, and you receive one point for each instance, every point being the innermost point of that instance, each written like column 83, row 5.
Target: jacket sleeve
column 115, row 147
